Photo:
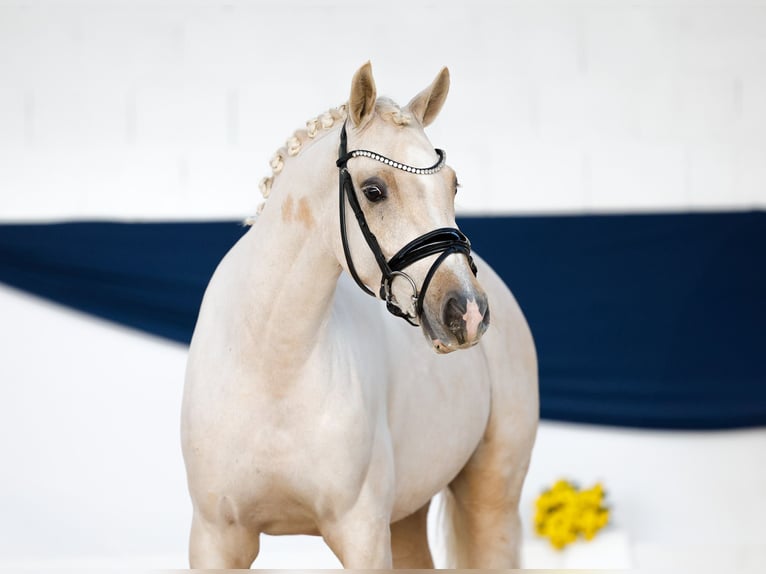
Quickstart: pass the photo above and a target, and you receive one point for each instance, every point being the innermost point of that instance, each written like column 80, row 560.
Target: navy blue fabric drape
column 653, row 321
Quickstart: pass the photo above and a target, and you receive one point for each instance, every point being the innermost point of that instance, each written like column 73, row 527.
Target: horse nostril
column 453, row 318
column 466, row 319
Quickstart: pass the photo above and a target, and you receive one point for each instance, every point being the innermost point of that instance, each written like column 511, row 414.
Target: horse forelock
column 391, row 112
column 315, row 128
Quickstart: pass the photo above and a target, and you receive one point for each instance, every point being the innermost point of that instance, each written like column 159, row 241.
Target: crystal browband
column 402, row 166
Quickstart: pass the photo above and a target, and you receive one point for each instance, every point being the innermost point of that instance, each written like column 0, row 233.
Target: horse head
column 399, row 239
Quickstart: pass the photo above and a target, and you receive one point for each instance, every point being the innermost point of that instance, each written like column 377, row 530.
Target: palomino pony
column 309, row 409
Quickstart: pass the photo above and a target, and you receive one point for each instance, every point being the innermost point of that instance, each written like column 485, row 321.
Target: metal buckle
column 391, row 301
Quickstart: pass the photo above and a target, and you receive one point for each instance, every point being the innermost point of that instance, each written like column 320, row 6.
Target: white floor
column 92, row 474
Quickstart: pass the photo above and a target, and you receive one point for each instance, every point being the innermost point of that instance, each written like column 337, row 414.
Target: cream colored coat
column 309, row 409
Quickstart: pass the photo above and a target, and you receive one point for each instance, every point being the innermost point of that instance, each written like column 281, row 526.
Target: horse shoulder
column 510, row 350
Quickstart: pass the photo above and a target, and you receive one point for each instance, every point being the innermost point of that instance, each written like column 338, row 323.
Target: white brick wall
column 172, row 109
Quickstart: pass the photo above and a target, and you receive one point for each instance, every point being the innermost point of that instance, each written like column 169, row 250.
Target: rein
column 445, row 241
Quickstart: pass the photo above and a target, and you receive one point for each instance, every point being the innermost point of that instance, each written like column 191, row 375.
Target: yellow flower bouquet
column 564, row 512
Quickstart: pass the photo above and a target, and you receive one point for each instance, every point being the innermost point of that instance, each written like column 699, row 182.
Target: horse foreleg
column 220, row 546
column 409, row 541
column 483, row 500
column 360, row 533
column 483, row 534
column 361, row 541
column 484, row 506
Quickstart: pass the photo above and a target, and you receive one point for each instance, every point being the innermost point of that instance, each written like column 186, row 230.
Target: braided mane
column 316, row 126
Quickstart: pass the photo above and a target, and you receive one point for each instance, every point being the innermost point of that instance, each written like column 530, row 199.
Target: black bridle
column 443, row 241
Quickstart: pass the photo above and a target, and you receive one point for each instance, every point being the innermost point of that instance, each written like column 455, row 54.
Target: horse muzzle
column 463, row 319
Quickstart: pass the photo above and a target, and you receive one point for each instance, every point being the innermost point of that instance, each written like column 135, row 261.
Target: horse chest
column 351, row 404
column 436, row 419
column 433, row 408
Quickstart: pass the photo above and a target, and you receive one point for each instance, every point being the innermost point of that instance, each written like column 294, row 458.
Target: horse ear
column 428, row 103
column 361, row 104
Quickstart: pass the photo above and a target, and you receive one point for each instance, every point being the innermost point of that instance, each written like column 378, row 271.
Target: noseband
column 443, row 241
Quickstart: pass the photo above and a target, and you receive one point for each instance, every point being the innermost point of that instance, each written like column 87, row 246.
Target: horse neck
column 292, row 270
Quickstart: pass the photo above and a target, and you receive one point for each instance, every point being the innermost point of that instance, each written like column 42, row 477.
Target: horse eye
column 374, row 193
